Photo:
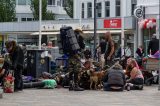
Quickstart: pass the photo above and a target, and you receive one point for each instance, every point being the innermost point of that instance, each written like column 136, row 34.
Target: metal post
column 95, row 27
column 80, row 18
column 159, row 42
column 122, row 28
column 40, row 22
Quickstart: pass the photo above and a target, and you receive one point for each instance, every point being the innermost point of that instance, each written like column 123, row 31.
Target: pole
column 80, row 18
column 159, row 43
column 95, row 27
column 40, row 22
column 122, row 28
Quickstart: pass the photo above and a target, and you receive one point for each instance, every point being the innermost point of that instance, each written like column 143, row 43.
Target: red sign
column 112, row 23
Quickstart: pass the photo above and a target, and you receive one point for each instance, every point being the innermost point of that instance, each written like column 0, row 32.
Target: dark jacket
column 153, row 46
column 115, row 77
column 17, row 57
column 87, row 54
column 139, row 52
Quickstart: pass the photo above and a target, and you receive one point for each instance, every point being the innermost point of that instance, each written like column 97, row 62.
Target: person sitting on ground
column 114, row 80
column 135, row 82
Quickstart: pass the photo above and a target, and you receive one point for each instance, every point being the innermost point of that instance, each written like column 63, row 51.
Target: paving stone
column 62, row 97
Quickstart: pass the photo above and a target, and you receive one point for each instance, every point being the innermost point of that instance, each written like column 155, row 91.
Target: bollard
column 1, row 93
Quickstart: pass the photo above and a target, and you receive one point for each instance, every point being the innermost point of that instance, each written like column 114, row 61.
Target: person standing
column 139, row 55
column 17, row 60
column 74, row 66
column 74, row 62
column 110, row 49
column 127, row 52
column 102, row 49
column 153, row 46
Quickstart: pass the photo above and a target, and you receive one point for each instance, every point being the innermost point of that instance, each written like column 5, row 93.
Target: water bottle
column 1, row 93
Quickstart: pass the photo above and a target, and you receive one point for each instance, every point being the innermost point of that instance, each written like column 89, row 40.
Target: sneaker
column 140, row 87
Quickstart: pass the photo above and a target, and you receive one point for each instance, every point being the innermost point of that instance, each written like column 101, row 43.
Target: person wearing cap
column 17, row 59
column 74, row 64
column 153, row 46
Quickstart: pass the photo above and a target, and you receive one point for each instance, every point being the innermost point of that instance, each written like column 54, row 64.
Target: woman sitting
column 136, row 80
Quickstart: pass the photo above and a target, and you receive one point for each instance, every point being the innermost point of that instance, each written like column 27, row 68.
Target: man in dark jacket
column 17, row 60
column 153, row 46
column 115, row 79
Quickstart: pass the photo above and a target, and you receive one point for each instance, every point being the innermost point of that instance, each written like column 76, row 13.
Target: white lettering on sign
column 50, row 27
column 85, row 27
column 113, row 24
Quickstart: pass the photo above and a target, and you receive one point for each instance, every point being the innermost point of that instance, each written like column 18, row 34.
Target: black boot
column 77, row 88
column 71, row 85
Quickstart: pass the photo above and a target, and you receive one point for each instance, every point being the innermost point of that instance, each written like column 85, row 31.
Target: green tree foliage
column 7, row 10
column 46, row 15
column 69, row 7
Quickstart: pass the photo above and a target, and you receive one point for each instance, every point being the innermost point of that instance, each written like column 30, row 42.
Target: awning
column 85, row 32
column 45, row 33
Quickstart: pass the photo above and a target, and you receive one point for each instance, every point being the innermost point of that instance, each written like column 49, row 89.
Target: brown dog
column 96, row 78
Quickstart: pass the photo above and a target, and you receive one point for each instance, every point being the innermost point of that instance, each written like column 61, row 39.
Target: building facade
column 24, row 13
column 109, row 17
column 105, row 8
column 151, row 12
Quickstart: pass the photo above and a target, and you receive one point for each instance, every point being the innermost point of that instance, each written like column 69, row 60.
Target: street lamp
column 40, row 23
column 95, row 27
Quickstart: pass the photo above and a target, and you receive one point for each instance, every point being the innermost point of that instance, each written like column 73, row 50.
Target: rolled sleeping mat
column 33, row 85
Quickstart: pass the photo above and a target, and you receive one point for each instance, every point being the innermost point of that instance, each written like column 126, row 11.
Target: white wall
column 152, row 6
column 147, row 2
column 78, row 4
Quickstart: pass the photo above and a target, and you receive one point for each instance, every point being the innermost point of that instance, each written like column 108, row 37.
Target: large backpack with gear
column 67, row 41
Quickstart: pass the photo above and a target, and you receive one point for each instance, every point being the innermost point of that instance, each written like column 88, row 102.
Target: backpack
column 67, row 41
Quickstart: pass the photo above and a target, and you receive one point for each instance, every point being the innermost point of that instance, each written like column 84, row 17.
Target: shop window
column 107, row 8
column 89, row 9
column 51, row 2
column 29, row 19
column 21, row 2
column 99, row 9
column 82, row 10
column 28, row 2
column 58, row 3
column 23, row 19
column 118, row 8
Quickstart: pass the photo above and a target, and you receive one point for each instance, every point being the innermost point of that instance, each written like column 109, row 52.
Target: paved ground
column 150, row 96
